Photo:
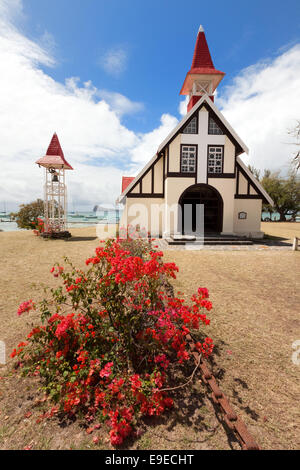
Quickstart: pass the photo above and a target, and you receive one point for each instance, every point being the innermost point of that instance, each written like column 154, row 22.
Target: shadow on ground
column 80, row 239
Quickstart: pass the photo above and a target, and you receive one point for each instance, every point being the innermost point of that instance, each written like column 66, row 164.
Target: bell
column 55, row 178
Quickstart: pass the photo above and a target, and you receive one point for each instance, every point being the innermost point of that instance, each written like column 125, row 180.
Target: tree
column 28, row 214
column 254, row 171
column 296, row 133
column 284, row 192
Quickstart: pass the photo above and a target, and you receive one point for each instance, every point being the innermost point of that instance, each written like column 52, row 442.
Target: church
column 197, row 182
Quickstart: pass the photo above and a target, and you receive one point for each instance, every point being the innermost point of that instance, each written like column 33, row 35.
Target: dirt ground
column 254, row 322
column 281, row 230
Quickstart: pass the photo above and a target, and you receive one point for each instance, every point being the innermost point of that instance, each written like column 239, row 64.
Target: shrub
column 39, row 226
column 109, row 334
column 28, row 214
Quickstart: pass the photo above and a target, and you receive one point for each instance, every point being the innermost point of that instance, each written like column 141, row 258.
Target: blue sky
column 106, row 76
column 154, row 41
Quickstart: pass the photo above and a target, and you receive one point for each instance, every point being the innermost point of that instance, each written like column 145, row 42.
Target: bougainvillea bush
column 39, row 226
column 109, row 334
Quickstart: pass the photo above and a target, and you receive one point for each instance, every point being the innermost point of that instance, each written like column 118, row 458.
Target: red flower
column 25, row 307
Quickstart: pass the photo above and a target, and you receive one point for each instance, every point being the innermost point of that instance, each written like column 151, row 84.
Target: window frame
column 210, row 174
column 189, row 173
column 189, row 121
column 215, row 121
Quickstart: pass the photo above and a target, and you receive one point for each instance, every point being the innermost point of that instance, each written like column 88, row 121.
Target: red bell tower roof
column 202, row 65
column 54, row 157
column 202, row 57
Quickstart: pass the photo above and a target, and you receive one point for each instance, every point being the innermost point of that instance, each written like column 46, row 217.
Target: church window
column 213, row 128
column 191, row 128
column 215, row 159
column 188, row 158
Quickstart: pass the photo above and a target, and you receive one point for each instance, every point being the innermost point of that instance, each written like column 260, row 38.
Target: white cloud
column 114, row 62
column 149, row 142
column 120, row 104
column 261, row 104
column 182, row 108
column 87, row 121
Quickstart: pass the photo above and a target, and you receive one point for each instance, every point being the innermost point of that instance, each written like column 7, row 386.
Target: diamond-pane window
column 215, row 160
column 213, row 128
column 188, row 159
column 191, row 128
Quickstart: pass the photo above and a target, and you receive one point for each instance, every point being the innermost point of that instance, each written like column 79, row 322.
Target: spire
column 54, row 156
column 202, row 70
column 202, row 57
column 55, row 147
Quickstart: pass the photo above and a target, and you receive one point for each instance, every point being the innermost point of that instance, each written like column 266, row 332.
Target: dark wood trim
column 140, row 181
column 252, row 183
column 238, row 149
column 135, row 185
column 179, row 130
column 196, row 162
column 168, row 158
column 248, row 196
column 187, row 123
column 210, row 116
column 221, row 175
column 208, row 175
column 164, row 172
column 211, row 113
column 237, row 180
column 144, row 195
column 152, row 179
column 248, row 187
column 174, row 174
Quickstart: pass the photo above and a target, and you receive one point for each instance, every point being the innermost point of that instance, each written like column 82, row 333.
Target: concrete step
column 211, row 241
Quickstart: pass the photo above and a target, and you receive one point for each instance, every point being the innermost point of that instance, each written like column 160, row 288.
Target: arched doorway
column 190, row 201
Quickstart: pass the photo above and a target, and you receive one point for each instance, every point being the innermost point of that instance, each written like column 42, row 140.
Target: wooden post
column 295, row 244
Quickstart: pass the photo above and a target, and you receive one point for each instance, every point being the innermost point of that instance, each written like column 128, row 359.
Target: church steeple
column 202, row 78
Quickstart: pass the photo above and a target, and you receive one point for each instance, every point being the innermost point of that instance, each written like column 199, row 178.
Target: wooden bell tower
column 55, row 190
column 202, row 78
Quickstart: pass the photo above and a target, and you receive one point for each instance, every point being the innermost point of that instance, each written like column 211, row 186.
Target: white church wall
column 251, row 225
column 229, row 156
column 174, row 154
column 158, row 176
column 226, row 187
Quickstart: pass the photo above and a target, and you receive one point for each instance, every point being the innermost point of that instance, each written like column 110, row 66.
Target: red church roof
column 54, row 157
column 126, row 180
column 202, row 62
column 202, row 57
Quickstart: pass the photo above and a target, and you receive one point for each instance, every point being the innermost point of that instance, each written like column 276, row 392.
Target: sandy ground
column 255, row 320
column 285, row 230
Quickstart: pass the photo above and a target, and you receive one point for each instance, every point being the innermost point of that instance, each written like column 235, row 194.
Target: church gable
column 151, row 182
column 247, row 187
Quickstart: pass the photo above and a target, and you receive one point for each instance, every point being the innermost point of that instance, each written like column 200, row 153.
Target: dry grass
column 286, row 230
column 254, row 323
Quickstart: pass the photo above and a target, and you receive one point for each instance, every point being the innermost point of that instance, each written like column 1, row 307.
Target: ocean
column 74, row 219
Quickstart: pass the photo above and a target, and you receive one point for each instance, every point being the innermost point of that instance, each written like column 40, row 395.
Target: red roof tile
column 54, row 156
column 202, row 64
column 202, row 57
column 202, row 61
column 126, row 180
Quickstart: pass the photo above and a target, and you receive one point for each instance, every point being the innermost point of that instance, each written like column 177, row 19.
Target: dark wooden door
column 213, row 210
